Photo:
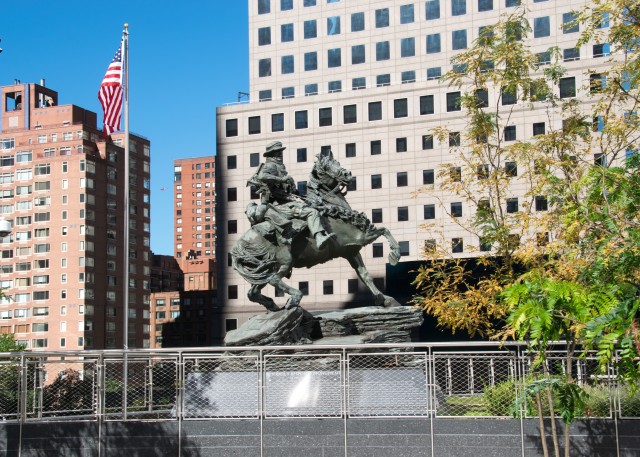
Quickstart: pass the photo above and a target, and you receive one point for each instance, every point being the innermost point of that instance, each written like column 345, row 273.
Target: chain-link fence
column 405, row 380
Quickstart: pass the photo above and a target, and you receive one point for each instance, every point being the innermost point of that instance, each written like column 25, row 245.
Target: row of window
column 567, row 89
column 429, row 210
column 353, row 285
column 407, row 12
column 264, row 6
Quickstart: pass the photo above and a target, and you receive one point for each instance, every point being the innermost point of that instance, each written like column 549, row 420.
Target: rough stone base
column 371, row 324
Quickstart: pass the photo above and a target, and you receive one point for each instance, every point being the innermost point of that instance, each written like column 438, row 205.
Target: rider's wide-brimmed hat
column 273, row 149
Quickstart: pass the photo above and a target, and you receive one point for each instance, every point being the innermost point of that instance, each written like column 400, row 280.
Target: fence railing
column 387, row 380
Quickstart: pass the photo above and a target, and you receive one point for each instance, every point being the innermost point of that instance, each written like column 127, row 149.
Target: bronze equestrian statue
column 288, row 231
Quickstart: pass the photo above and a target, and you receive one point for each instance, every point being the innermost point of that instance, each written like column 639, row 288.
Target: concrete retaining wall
column 312, row 438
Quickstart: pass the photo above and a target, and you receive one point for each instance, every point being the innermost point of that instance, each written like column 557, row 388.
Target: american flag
column 110, row 94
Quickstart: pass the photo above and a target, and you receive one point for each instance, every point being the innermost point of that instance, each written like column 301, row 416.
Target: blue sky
column 186, row 58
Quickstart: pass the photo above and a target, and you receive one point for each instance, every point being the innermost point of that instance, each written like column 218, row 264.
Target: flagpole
column 125, row 298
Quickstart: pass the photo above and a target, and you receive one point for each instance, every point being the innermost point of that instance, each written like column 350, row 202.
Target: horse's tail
column 255, row 262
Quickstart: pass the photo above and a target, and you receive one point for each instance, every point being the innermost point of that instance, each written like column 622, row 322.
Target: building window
column 327, row 287
column 277, row 122
column 310, row 29
column 232, row 194
column 254, row 125
column 429, row 211
column 485, row 5
column 402, row 179
column 401, row 144
column 265, row 95
column 301, row 154
column 350, row 114
column 407, row 47
column 230, row 324
column 404, row 248
column 434, row 73
column 601, row 50
column 453, row 101
column 310, row 89
column 288, row 92
column 358, row 83
column 232, row 162
column 376, row 147
column 287, row 65
column 376, row 181
column 264, row 36
column 408, row 76
column 509, row 96
column 541, row 203
column 457, row 245
column 512, row 205
column 403, row 213
column 382, row 18
column 427, row 142
column 482, row 98
column 541, row 27
column 382, row 51
column 303, row 286
column 333, row 25
column 264, row 67
column 286, row 33
column 310, row 61
column 570, row 54
column 400, row 108
column 432, row 9
column 376, row 215
column 458, row 39
column 426, row 104
column 406, row 14
column 375, row 111
column 357, row 54
column 324, row 117
column 567, row 87
column 254, row 159
column 232, row 292
column 350, row 150
column 335, row 86
column 456, row 209
column 510, row 133
column 383, row 80
column 231, row 127
column 264, row 6
column 357, row 22
column 538, row 128
column 511, row 169
column 301, row 119
column 570, row 23
column 433, row 43
column 458, row 7
column 334, row 57
column 232, row 226
column 352, row 186
column 377, row 250
column 286, row 5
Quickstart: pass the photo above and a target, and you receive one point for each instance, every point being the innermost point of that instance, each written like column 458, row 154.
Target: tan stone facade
column 373, row 108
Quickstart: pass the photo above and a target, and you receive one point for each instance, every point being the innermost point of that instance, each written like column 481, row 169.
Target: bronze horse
column 265, row 255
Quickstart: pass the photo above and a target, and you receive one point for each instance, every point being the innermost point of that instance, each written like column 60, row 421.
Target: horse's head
column 329, row 174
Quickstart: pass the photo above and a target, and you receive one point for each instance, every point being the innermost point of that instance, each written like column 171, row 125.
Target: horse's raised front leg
column 255, row 296
column 380, row 299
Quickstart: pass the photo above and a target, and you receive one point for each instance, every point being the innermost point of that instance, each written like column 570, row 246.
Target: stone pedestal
column 371, row 324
